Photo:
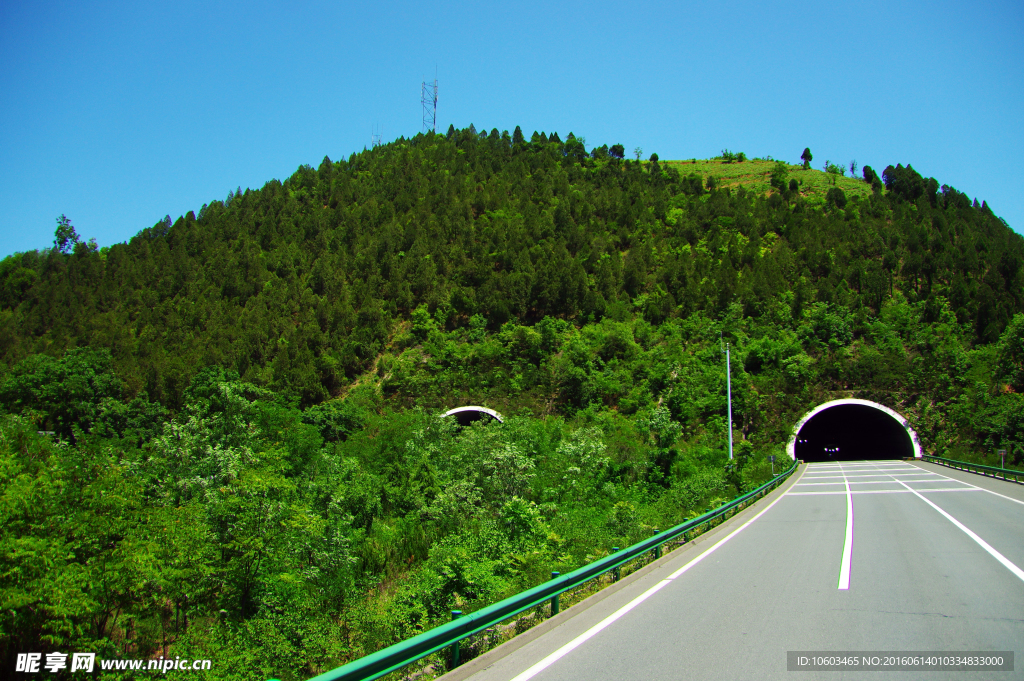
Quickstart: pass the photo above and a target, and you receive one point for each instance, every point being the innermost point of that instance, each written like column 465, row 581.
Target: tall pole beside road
column 728, row 390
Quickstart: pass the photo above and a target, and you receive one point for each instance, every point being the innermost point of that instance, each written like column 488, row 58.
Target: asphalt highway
column 881, row 556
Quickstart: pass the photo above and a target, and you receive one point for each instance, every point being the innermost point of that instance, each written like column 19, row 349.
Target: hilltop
column 755, row 175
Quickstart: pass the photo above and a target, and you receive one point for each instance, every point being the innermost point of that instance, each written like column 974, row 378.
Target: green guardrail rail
column 448, row 635
column 993, row 471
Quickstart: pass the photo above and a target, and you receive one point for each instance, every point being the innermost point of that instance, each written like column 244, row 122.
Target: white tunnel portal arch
column 915, row 442
column 466, row 415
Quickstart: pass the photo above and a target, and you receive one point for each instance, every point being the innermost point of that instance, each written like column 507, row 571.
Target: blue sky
column 118, row 113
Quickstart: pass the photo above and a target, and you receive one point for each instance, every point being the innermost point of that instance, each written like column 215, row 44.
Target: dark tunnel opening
column 467, row 417
column 848, row 432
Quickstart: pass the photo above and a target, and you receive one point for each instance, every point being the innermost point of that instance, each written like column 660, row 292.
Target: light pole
column 728, row 390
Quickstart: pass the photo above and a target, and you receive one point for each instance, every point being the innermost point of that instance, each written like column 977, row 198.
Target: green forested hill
column 246, row 461
column 299, row 286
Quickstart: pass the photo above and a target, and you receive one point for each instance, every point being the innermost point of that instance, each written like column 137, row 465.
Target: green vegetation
column 731, row 157
column 247, row 462
column 756, row 175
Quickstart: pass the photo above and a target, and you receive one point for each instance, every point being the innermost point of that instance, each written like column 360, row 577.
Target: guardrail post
column 456, row 614
column 657, row 549
column 618, row 574
column 554, row 599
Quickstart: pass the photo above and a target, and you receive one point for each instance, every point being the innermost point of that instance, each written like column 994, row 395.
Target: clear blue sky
column 118, row 113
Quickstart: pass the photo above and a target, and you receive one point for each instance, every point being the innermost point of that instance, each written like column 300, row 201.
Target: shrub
column 836, row 198
column 779, row 175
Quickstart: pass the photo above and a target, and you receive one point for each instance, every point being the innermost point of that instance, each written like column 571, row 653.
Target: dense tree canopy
column 298, row 286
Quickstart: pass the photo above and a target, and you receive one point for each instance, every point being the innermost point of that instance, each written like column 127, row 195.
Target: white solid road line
column 871, row 475
column 590, row 633
column 981, row 542
column 879, row 492
column 859, row 464
column 869, row 482
column 844, row 568
column 849, row 466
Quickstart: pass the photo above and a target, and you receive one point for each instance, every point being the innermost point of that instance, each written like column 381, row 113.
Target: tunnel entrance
column 467, row 415
column 846, row 430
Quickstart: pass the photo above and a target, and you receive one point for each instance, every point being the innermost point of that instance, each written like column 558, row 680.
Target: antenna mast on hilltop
column 375, row 136
column 428, row 97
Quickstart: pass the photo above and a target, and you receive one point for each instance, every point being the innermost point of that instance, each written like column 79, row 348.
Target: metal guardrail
column 406, row 652
column 992, row 471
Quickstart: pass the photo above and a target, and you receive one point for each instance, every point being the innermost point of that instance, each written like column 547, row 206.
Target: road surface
column 853, row 556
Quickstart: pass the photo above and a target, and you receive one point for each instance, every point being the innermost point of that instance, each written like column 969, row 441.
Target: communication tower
column 375, row 136
column 428, row 97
